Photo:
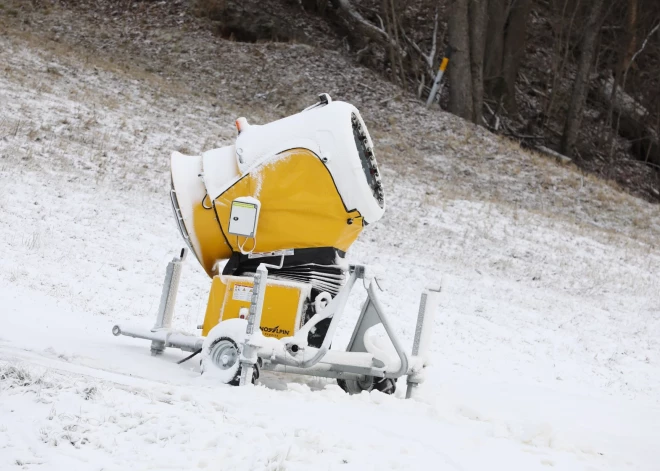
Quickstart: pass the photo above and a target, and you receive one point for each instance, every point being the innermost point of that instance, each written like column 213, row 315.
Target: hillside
column 547, row 349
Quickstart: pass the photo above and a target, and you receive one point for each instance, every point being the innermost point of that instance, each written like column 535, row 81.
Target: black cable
column 196, row 352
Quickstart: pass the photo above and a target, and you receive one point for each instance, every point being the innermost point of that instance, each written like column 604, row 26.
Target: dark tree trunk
column 631, row 33
column 385, row 11
column 478, row 10
column 495, row 50
column 581, row 84
column 506, row 39
column 514, row 48
column 460, row 77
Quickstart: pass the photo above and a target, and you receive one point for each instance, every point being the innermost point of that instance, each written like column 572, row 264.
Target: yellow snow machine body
column 270, row 220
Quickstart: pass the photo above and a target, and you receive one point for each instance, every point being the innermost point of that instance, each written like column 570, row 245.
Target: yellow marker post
column 438, row 78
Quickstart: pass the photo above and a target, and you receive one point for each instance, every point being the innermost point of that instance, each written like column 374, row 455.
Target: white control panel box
column 244, row 216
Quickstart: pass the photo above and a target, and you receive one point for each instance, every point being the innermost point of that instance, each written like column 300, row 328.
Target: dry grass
column 447, row 158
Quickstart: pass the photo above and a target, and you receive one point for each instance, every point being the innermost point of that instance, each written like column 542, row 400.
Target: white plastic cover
column 220, row 170
column 328, row 132
column 190, row 189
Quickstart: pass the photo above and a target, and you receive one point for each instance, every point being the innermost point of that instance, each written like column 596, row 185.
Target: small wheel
column 356, row 386
column 369, row 383
column 224, row 355
column 221, row 354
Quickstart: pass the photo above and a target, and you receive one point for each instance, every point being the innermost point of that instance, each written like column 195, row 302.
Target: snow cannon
column 313, row 179
column 270, row 219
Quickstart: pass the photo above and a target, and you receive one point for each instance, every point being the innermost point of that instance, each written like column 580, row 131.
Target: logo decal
column 273, row 331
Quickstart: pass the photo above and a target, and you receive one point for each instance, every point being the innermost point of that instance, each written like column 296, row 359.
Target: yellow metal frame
column 300, row 208
column 282, row 314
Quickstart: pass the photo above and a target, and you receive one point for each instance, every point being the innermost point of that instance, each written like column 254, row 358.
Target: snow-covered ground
column 546, row 350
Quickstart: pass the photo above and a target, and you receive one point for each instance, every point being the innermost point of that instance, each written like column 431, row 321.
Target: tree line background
column 577, row 79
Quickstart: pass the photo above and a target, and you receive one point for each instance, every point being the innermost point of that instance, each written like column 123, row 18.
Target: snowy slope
column 547, row 343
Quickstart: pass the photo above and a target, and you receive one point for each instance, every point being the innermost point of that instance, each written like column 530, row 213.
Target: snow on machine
column 270, row 220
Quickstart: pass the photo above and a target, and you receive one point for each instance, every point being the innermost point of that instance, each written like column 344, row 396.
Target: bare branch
column 431, row 56
column 646, row 40
column 625, row 77
column 368, row 28
column 382, row 25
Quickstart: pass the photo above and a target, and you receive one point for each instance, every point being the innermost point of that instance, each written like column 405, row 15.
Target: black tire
column 384, row 385
column 315, row 339
column 237, row 379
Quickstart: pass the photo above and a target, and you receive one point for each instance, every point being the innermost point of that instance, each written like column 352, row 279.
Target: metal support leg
column 371, row 315
column 428, row 305
column 168, row 299
column 249, row 354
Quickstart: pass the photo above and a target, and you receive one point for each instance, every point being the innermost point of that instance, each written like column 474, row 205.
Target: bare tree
column 514, row 47
column 478, row 13
column 581, row 84
column 562, row 21
column 460, row 76
column 506, row 39
column 631, row 31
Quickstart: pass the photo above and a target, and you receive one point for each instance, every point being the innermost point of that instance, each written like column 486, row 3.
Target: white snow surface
column 546, row 350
